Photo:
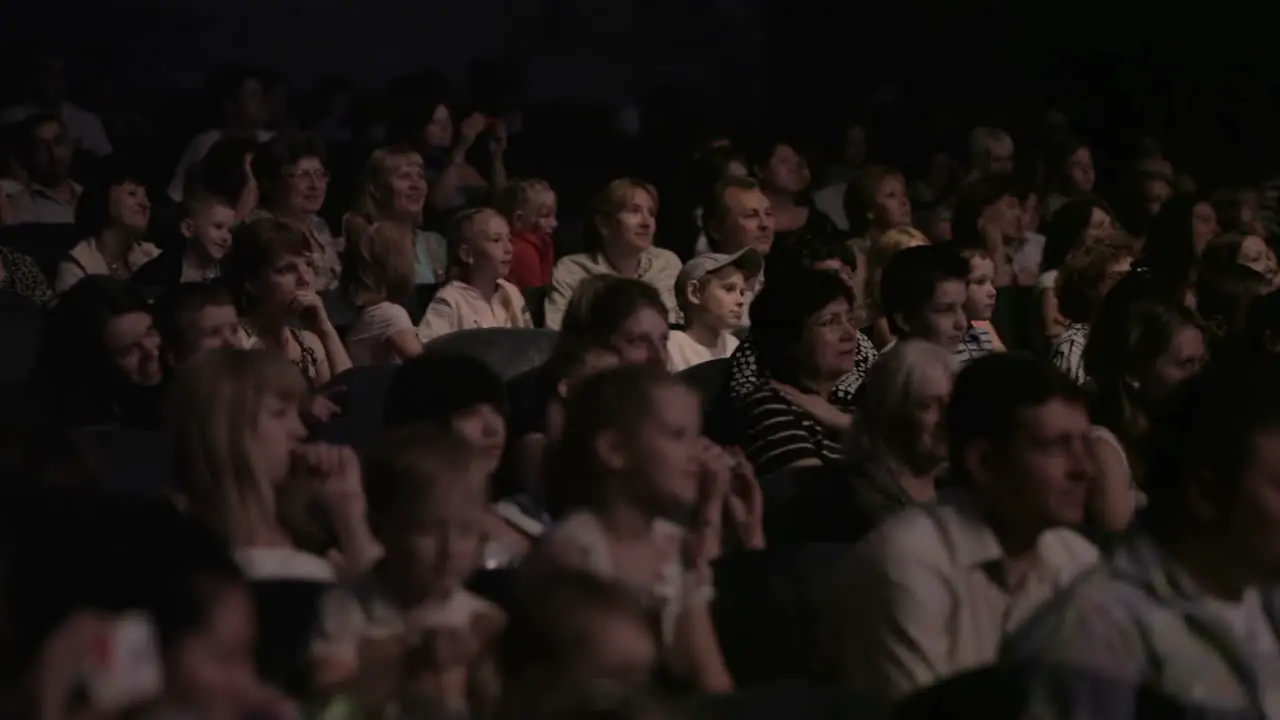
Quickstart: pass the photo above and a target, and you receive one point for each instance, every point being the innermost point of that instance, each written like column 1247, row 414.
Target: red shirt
column 532, row 257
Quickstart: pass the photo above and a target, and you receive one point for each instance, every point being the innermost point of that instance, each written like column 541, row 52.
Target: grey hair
column 984, row 139
column 892, row 387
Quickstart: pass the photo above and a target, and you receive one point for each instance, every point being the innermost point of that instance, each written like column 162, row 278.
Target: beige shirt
column 922, row 597
column 85, row 259
column 459, row 306
column 38, row 204
column 685, row 352
column 658, row 267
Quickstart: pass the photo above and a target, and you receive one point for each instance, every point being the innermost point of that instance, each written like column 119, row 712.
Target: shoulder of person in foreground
column 1083, row 654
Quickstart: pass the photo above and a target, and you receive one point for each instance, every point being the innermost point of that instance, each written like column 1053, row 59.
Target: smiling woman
column 113, row 214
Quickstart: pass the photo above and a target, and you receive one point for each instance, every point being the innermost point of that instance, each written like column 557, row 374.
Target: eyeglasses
column 315, row 176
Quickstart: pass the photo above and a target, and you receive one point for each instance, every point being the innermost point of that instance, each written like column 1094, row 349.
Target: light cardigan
column 658, row 268
column 86, row 259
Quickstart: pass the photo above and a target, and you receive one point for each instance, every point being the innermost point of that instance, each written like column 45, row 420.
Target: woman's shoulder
column 664, row 259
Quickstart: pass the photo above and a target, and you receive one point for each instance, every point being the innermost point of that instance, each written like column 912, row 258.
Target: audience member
column 711, row 291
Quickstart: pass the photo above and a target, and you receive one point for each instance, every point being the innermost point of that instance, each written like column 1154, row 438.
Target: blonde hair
column 519, row 194
column 380, row 264
column 881, row 251
column 211, row 414
column 892, row 387
column 461, row 231
column 373, row 189
column 612, row 200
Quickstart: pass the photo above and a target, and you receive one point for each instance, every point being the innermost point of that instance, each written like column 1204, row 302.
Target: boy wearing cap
column 711, row 290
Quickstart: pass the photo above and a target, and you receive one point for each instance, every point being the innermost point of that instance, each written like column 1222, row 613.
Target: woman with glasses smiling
column 293, row 183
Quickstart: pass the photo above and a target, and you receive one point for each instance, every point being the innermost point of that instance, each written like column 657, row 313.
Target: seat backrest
column 711, row 379
column 131, row 460
column 508, row 351
column 362, row 397
column 46, row 243
column 535, row 298
column 994, row 689
column 22, row 321
column 769, row 611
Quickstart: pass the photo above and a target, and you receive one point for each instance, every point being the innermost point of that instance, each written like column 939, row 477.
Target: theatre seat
column 508, row 351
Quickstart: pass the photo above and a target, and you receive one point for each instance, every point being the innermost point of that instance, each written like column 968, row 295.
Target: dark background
column 1199, row 74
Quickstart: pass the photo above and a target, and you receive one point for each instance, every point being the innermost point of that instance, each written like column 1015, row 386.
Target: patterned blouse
column 20, row 274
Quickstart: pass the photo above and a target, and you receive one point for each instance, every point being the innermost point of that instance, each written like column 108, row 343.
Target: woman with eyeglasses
column 293, row 184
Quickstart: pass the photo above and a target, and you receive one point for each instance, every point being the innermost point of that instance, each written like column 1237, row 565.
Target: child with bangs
column 422, row 642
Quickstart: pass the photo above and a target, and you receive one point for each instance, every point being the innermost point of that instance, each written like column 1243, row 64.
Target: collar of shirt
column 47, row 192
column 646, row 263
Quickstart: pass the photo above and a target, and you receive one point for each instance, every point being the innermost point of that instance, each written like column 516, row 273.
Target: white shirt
column 84, row 128
column 367, row 337
column 195, row 152
column 685, row 352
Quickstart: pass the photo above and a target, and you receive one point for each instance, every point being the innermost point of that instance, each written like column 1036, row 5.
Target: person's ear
column 1200, row 497
column 900, row 323
column 977, row 459
column 466, row 254
column 187, row 227
column 693, row 293
column 518, row 218
column 611, row 451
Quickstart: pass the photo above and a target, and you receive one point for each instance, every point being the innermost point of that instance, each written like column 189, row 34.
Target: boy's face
column 942, row 321
column 210, row 228
column 213, row 327
column 539, row 215
column 444, row 548
column 720, row 298
column 485, row 430
column 488, row 247
column 981, row 300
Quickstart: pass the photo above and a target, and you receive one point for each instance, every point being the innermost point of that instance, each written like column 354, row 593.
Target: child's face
column 539, row 215
column 720, row 299
column 210, row 229
column 485, row 429
column 213, row 327
column 943, row 321
column 444, row 549
column 212, row 670
column 488, row 246
column 981, row 300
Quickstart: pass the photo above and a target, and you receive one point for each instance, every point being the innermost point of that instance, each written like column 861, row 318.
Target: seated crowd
column 921, row 445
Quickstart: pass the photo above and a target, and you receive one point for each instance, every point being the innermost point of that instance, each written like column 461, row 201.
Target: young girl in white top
column 378, row 274
column 480, row 296
column 634, row 455
column 712, row 292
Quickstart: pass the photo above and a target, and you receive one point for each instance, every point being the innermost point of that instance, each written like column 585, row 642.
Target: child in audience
column 206, row 231
column 464, row 396
column 981, row 301
column 420, row 637
column 711, row 291
column 529, row 205
column 378, row 275
column 480, row 297
column 195, row 317
column 923, row 291
column 632, row 454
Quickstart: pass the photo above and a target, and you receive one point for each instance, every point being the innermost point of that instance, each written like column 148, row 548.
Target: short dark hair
column 1207, row 425
column 281, row 152
column 221, row 171
column 1067, row 226
column 93, row 210
column 909, row 281
column 74, row 350
column 1223, row 296
column 779, row 312
column 717, row 208
column 175, row 308
column 435, row 386
column 990, row 394
column 610, row 302
column 24, row 148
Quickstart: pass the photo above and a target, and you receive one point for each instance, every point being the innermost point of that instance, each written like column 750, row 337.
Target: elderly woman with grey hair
column 896, row 451
column 899, row 447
